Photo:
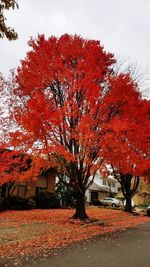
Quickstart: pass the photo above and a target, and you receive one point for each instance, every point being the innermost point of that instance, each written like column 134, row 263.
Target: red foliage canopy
column 16, row 166
column 127, row 145
column 13, row 165
column 69, row 103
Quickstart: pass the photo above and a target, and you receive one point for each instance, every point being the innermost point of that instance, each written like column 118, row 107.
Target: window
column 40, row 189
column 104, row 182
column 109, row 183
column 21, row 191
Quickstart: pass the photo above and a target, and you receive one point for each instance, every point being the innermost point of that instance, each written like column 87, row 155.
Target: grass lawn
column 36, row 232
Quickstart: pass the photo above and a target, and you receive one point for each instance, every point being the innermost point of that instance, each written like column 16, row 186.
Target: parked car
column 109, row 201
column 148, row 211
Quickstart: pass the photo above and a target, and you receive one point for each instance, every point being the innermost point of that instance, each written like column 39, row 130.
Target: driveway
column 128, row 248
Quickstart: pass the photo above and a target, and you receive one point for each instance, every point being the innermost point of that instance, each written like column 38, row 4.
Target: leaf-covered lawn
column 36, row 232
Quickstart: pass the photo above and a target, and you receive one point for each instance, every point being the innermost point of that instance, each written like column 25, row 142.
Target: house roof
column 100, row 188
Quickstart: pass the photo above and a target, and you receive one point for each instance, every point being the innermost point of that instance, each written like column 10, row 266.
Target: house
column 142, row 196
column 29, row 188
column 101, row 187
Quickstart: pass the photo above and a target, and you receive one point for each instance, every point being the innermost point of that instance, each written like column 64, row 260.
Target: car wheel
column 113, row 205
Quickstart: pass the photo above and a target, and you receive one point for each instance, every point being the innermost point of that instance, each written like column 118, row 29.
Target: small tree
column 127, row 150
column 129, row 185
column 13, row 166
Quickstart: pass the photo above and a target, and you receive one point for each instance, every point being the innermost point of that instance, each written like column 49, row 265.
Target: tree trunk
column 128, row 206
column 80, row 207
column 129, row 185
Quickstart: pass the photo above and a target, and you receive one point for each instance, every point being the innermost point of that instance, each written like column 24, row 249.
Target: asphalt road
column 128, row 248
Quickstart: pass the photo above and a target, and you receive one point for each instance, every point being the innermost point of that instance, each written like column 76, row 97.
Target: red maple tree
column 13, row 165
column 67, row 102
column 126, row 147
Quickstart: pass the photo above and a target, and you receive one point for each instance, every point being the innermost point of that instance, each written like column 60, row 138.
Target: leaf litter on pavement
column 38, row 232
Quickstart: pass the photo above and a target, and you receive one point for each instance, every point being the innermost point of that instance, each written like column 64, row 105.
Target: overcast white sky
column 123, row 26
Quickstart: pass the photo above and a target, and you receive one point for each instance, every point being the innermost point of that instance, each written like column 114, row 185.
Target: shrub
column 47, row 200
column 4, row 204
column 97, row 202
column 17, row 203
